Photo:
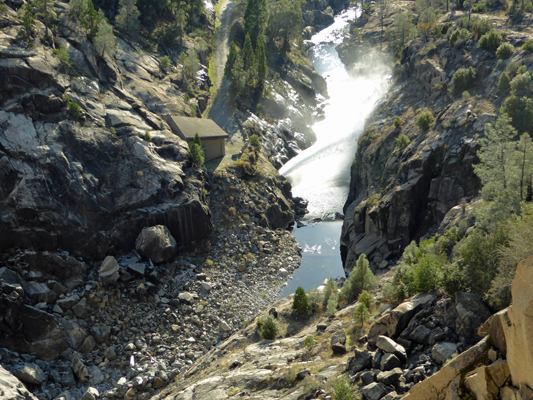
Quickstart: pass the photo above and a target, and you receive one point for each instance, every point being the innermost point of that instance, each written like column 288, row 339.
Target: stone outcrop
column 157, row 244
column 11, row 388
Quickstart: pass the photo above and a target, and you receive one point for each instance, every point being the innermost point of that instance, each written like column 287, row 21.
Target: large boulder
column 13, row 389
column 441, row 352
column 390, row 346
column 471, row 314
column 519, row 328
column 486, row 381
column 157, row 244
column 109, row 271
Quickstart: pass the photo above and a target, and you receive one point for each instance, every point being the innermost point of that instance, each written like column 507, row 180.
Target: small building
column 213, row 136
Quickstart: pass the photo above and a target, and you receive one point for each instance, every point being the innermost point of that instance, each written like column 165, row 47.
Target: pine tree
column 45, row 11
column 90, row 20
column 28, row 21
column 524, row 161
column 77, row 8
column 196, row 152
column 230, row 61
column 495, row 168
column 104, row 41
column 300, row 302
column 260, row 58
column 248, row 58
column 361, row 278
column 127, row 19
column 255, row 16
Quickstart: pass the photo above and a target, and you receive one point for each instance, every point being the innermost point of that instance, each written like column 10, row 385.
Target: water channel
column 321, row 173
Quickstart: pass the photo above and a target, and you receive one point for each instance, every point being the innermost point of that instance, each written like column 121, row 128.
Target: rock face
column 11, row 388
column 157, row 244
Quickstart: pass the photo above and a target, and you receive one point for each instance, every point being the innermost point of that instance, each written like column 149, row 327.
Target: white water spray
column 321, row 174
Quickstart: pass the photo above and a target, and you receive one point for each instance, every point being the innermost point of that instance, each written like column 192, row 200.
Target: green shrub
column 113, row 130
column 3, row 9
column 500, row 65
column 147, row 136
column 333, row 302
column 74, row 110
column 269, row 328
column 63, row 56
column 329, row 288
column 361, row 314
column 504, row 51
column 427, row 274
column 528, row 47
column 431, row 50
column 512, row 68
column 521, row 70
column 481, row 25
column 365, row 298
column 398, row 122
column 462, row 79
column 315, row 299
column 388, row 292
column 490, row 41
column 521, row 85
column 520, row 110
column 255, row 142
column 360, row 278
column 300, row 302
column 402, row 142
column 504, row 84
column 196, row 152
column 458, row 36
column 447, row 241
column 452, row 279
column 342, row 390
column 165, row 62
column 309, row 342
column 424, row 120
column 466, row 95
column 479, row 8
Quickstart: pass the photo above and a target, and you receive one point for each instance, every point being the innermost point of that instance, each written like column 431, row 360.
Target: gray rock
column 360, row 361
column 367, row 377
column 186, row 297
column 68, row 302
column 88, row 344
column 338, row 348
column 389, row 377
column 374, row 391
column 392, row 396
column 207, row 286
column 40, row 292
column 110, row 354
column 109, row 271
column 389, row 361
column 79, row 368
column 420, row 334
column 30, row 373
column 157, row 244
column 224, row 326
column 471, row 314
column 443, row 351
column 390, row 346
column 101, row 333
column 97, row 377
column 90, row 394
column 81, row 308
column 13, row 389
column 137, row 269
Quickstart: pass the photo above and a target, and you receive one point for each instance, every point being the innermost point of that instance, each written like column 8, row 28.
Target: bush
column 255, row 142
column 342, row 390
column 402, row 142
column 466, row 95
column 521, row 85
column 398, row 122
column 388, row 292
column 333, row 302
column 329, row 288
column 462, row 79
column 512, row 68
column 196, row 154
column 300, row 302
column 479, row 8
column 458, row 36
column 361, row 278
column 504, row 84
column 74, row 110
column 427, row 274
column 505, row 50
column 361, row 314
column 269, row 328
column 520, row 110
column 490, row 41
column 452, row 279
column 424, row 120
column 447, row 241
column 309, row 342
column 315, row 299
column 365, row 298
column 147, row 136
column 63, row 56
column 165, row 63
column 528, row 47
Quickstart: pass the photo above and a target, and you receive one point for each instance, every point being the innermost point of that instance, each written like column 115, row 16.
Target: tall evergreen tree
column 524, row 161
column 230, row 61
column 90, row 19
column 248, row 57
column 45, row 11
column 104, row 41
column 127, row 19
column 260, row 58
column 255, row 16
column 28, row 21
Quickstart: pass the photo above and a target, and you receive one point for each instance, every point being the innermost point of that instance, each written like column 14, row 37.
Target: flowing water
column 321, row 173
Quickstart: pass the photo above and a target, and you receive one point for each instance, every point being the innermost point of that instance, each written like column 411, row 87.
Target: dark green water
column 321, row 256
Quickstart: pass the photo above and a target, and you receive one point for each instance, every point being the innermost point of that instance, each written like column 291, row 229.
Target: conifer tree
column 524, row 159
column 255, row 16
column 45, row 11
column 300, row 302
column 127, row 19
column 28, row 21
column 361, row 278
column 230, row 61
column 248, row 58
column 196, row 152
column 104, row 41
column 90, row 19
column 260, row 58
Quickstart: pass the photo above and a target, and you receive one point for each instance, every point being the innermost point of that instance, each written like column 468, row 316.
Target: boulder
column 390, row 346
column 91, row 394
column 389, row 361
column 389, row 377
column 79, row 368
column 101, row 333
column 360, row 361
column 88, row 344
column 420, row 334
column 109, row 271
column 186, row 297
column 374, row 391
column 519, row 328
column 494, row 328
column 157, row 244
column 471, row 314
column 13, row 389
column 40, row 292
column 338, row 348
column 30, row 373
column 81, row 308
column 446, row 382
column 486, row 381
column 441, row 352
column 393, row 322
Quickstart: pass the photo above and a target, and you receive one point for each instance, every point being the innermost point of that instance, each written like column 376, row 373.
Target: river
column 321, row 173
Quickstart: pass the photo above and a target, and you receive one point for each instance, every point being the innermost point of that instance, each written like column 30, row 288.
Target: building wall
column 213, row 148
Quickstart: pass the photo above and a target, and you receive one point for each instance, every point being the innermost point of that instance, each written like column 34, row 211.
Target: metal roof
column 206, row 128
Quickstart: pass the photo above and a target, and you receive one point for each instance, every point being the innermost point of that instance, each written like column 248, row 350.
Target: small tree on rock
column 300, row 302
column 361, row 278
column 127, row 19
column 269, row 328
column 104, row 41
